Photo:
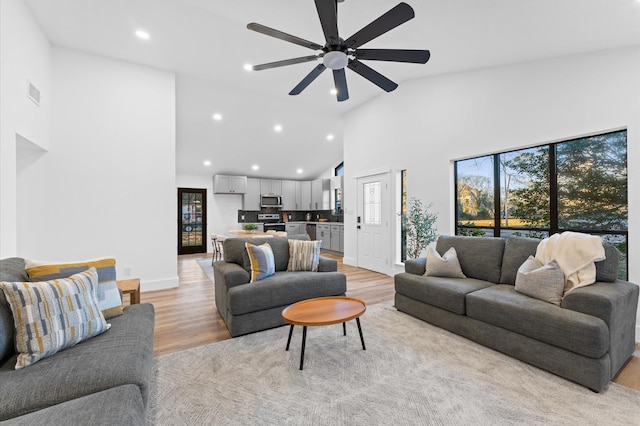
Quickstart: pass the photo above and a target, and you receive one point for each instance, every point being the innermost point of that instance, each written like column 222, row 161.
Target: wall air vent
column 33, row 93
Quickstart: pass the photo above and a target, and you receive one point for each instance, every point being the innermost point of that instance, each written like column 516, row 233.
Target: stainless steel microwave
column 271, row 201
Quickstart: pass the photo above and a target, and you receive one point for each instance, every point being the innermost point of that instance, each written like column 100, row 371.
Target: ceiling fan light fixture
column 335, row 60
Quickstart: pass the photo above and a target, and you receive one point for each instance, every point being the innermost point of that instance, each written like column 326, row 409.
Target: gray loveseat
column 248, row 307
column 104, row 380
column 586, row 339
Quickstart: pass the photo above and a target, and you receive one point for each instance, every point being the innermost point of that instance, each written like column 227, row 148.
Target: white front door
column 374, row 239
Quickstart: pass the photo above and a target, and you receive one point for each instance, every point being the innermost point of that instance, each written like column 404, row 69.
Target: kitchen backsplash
column 250, row 216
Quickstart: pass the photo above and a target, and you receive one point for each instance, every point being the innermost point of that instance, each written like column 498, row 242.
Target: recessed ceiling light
column 206, row 162
column 217, row 116
column 143, row 35
column 248, row 67
column 299, row 171
column 329, row 137
column 277, row 128
column 333, row 91
column 255, row 167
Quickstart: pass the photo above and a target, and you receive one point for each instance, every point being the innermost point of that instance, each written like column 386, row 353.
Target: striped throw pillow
column 50, row 316
column 304, row 255
column 262, row 261
column 109, row 298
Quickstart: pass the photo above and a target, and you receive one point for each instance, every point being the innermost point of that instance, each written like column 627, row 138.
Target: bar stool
column 217, row 241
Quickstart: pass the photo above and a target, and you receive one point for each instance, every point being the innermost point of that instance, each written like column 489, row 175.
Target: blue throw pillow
column 262, row 261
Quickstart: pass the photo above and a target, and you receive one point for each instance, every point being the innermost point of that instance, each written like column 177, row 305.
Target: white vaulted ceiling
column 206, row 43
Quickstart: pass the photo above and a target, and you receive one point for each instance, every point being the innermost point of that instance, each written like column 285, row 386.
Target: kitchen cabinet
column 336, row 230
column 320, row 194
column 289, row 195
column 252, row 195
column 303, row 195
column 270, row 187
column 323, row 232
column 225, row 184
column 341, row 239
column 296, row 228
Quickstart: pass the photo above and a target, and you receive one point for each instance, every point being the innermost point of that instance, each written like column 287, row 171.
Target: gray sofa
column 586, row 339
column 104, row 380
column 248, row 307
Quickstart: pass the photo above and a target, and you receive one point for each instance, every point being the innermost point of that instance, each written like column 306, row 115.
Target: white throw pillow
column 543, row 282
column 446, row 265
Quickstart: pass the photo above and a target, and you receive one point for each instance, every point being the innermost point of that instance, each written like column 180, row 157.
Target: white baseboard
column 159, row 284
column 350, row 261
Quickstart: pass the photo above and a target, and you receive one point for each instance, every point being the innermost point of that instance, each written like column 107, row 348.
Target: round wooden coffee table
column 323, row 311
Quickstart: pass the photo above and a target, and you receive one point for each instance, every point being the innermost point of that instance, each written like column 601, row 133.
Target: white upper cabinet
column 271, row 186
column 252, row 196
column 289, row 195
column 225, row 184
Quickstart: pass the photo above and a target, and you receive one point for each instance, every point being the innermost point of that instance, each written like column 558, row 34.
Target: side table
column 132, row 288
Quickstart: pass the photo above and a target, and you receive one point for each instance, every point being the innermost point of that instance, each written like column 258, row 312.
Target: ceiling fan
column 338, row 53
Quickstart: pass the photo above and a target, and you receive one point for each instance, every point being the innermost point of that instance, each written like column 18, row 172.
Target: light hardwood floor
column 186, row 316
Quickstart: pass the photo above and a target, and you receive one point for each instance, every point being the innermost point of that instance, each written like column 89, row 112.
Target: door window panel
column 372, row 203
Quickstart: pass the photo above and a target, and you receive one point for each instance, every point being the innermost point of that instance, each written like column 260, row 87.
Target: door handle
column 358, row 227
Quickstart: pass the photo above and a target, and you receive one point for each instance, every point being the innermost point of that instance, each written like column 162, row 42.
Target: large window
column 577, row 185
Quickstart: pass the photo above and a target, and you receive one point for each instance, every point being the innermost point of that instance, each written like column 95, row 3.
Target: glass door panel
column 192, row 224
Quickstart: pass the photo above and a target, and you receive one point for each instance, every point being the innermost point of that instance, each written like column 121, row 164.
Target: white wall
column 25, row 55
column 222, row 209
column 426, row 124
column 107, row 184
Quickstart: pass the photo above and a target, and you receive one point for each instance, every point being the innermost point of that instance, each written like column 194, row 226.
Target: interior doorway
column 374, row 237
column 192, row 220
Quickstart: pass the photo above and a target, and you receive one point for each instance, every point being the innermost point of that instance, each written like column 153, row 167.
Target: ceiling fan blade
column 285, row 62
column 372, row 75
column 328, row 14
column 283, row 36
column 394, row 17
column 308, row 79
column 394, row 55
column 340, row 81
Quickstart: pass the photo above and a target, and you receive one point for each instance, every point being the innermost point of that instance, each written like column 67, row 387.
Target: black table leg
column 344, row 328
column 304, row 339
column 289, row 339
column 360, row 331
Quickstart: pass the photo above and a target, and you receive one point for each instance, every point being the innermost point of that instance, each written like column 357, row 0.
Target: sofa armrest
column 327, row 265
column 229, row 274
column 415, row 266
column 616, row 304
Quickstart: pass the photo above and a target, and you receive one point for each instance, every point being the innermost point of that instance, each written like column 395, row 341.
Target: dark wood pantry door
column 192, row 220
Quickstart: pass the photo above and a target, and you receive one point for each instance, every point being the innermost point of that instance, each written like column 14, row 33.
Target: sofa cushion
column 123, row 355
column 50, row 316
column 607, row 269
column 543, row 282
column 284, row 288
column 234, row 251
column 11, row 269
column 304, row 255
column 502, row 306
column 109, row 298
column 121, row 405
column 446, row 265
column 480, row 257
column 445, row 293
column 261, row 259
column 516, row 252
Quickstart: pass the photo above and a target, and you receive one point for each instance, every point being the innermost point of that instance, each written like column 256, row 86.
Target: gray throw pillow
column 543, row 282
column 446, row 265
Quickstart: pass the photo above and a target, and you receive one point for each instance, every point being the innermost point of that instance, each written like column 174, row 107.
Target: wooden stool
column 217, row 241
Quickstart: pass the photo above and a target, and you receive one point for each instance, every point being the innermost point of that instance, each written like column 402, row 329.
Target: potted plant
column 419, row 226
column 249, row 227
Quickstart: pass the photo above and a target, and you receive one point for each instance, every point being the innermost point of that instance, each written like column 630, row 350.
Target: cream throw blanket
column 575, row 253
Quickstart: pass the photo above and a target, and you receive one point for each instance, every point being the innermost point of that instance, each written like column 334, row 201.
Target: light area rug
column 412, row 373
column 205, row 265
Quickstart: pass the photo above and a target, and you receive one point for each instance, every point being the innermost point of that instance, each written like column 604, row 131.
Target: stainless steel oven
column 271, row 222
